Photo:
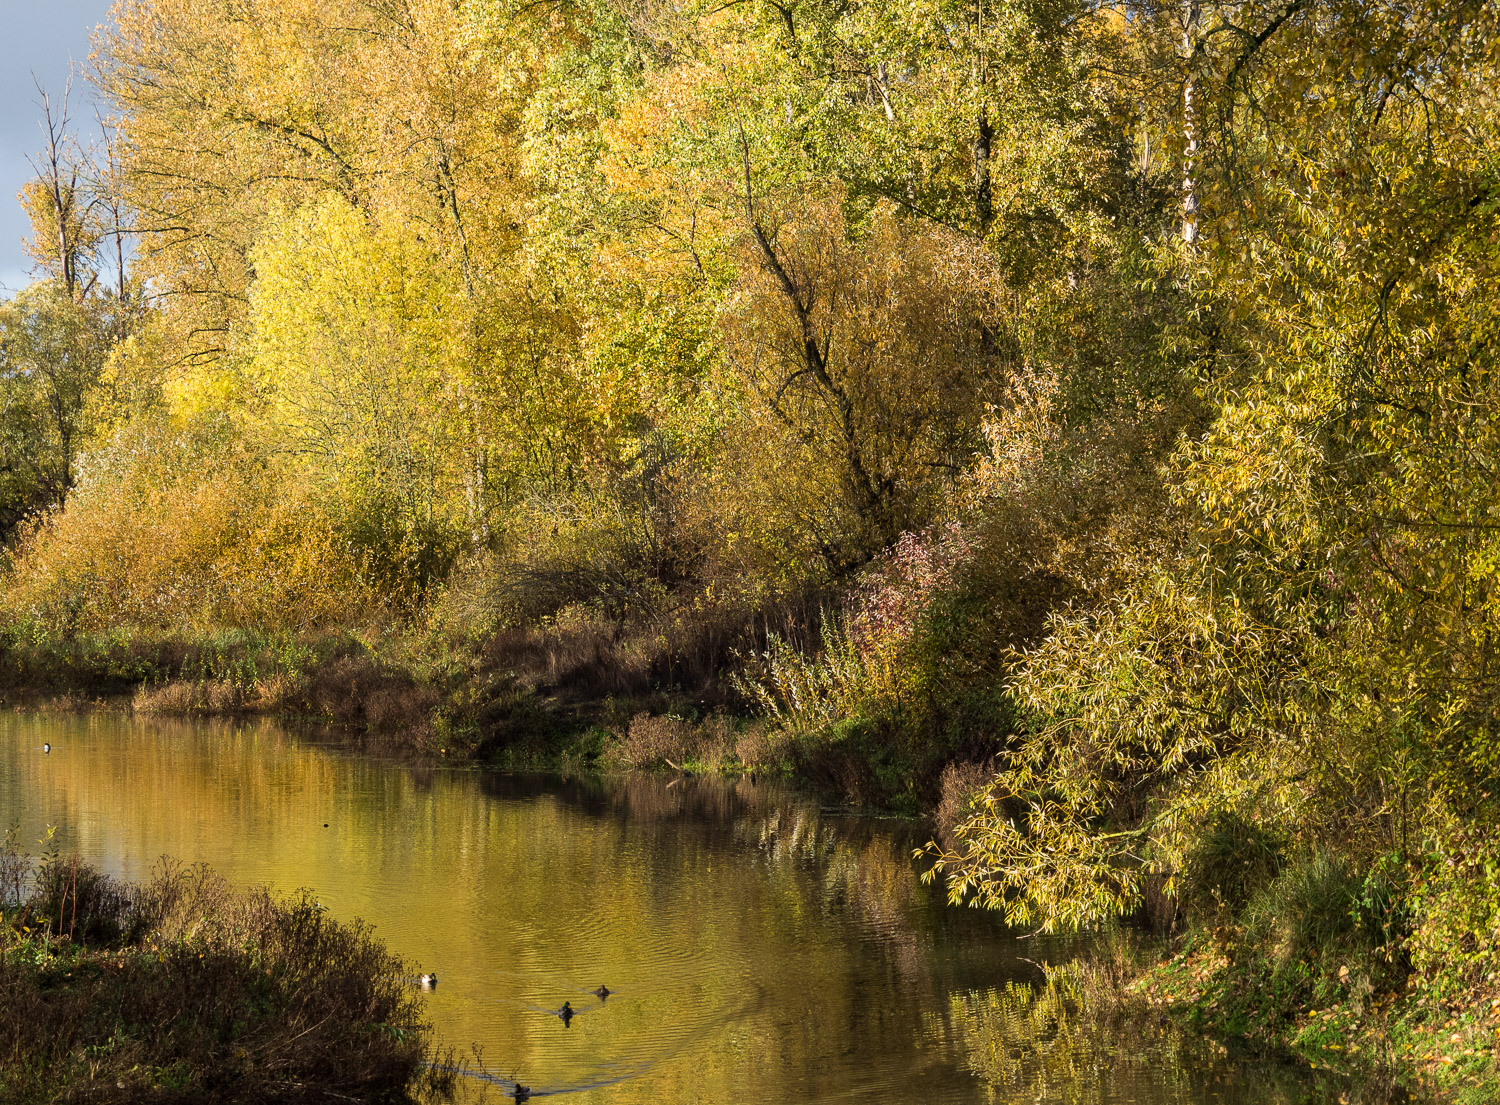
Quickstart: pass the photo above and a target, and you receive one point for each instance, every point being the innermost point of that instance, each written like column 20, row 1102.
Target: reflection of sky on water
column 758, row 948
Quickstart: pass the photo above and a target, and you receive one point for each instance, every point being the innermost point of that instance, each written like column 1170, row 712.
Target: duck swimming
column 601, row 993
column 566, row 1012
column 521, row 1093
column 427, row 982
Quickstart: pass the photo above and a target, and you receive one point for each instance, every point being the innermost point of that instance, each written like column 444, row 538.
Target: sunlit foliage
column 53, row 352
column 1096, row 400
column 1310, row 644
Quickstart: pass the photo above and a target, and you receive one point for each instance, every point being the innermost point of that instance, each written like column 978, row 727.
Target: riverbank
column 1369, row 1028
column 556, row 697
column 413, row 698
column 184, row 990
column 341, row 679
column 1388, row 1045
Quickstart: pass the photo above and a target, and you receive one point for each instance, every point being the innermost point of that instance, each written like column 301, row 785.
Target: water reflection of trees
column 233, row 773
column 862, row 866
column 1042, row 1046
column 771, row 943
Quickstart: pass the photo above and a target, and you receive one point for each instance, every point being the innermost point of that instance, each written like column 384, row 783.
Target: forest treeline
column 1082, row 415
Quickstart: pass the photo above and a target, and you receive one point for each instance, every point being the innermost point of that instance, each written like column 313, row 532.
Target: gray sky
column 44, row 36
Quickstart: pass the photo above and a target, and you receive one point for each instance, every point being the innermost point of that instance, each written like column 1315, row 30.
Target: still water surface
column 759, row 949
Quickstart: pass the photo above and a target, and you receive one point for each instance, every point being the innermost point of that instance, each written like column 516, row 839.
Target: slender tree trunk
column 984, row 205
column 1189, row 125
column 124, row 291
column 885, row 95
column 58, row 168
column 873, row 494
column 984, row 208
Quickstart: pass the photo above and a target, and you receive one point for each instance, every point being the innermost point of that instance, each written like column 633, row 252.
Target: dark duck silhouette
column 566, row 1012
column 601, row 993
column 521, row 1093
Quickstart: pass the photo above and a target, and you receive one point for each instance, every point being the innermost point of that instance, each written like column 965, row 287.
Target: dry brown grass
column 356, row 691
column 665, row 741
column 584, row 656
column 174, row 699
column 351, row 690
column 181, row 697
column 962, row 785
column 588, row 657
column 757, row 745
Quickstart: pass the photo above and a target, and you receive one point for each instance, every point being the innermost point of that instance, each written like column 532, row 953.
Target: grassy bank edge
column 386, row 692
column 1360, row 1046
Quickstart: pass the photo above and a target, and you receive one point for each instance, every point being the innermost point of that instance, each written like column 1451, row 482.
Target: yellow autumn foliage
column 164, row 532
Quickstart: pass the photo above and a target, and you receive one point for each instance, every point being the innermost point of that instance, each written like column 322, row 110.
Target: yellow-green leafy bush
column 186, row 531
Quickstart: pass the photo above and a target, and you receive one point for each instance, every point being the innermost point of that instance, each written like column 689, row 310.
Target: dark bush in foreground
column 184, row 990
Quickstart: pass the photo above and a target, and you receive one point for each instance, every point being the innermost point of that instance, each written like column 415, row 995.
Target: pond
column 758, row 948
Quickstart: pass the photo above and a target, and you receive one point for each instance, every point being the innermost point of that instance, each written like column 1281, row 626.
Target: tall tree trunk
column 984, row 208
column 882, row 86
column 1189, row 125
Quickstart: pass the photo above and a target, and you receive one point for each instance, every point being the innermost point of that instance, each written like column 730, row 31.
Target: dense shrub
column 1310, row 910
column 181, row 989
column 187, row 532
